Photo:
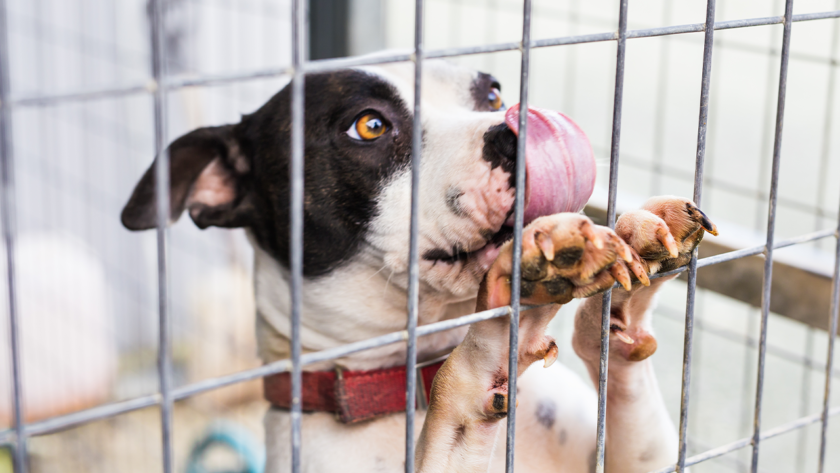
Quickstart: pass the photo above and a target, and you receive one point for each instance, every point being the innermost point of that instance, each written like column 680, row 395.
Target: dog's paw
column 662, row 236
column 564, row 256
column 664, row 232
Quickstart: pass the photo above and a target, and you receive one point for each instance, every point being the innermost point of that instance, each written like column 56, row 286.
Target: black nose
column 500, row 148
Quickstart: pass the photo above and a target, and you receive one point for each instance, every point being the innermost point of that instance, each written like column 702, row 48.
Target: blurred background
column 87, row 286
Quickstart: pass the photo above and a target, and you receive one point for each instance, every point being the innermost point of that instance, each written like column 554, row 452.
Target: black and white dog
column 358, row 134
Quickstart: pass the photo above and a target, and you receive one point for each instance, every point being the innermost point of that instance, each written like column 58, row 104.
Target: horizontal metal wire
column 58, row 423
column 747, row 341
column 745, row 442
column 753, row 251
column 63, row 422
column 324, row 65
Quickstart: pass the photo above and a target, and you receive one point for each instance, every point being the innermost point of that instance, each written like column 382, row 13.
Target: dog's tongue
column 560, row 166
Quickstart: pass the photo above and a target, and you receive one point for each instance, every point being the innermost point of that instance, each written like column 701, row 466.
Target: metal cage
column 160, row 84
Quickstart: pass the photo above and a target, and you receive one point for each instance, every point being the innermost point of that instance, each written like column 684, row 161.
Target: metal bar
column 659, row 117
column 413, row 252
column 804, row 395
column 82, row 95
column 829, row 364
column 8, row 208
column 739, row 444
column 296, row 176
column 835, row 294
column 60, row 423
column 771, row 229
column 519, row 214
column 756, row 250
column 600, row 442
column 158, row 41
column 325, row 65
column 688, row 340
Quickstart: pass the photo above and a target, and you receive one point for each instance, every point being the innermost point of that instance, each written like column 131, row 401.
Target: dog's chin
column 478, row 260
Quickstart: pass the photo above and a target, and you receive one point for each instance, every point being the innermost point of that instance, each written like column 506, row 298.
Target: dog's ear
column 208, row 176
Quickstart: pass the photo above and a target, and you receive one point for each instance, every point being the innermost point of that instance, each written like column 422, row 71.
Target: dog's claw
column 545, row 244
column 624, row 337
column 550, row 355
column 620, row 273
column 639, row 270
column 622, row 249
column 588, row 232
column 664, row 235
column 706, row 223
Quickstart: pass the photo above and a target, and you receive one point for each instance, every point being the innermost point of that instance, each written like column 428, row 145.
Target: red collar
column 352, row 395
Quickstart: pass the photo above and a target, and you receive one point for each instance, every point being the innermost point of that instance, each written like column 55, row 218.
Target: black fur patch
column 546, row 413
column 500, row 150
column 343, row 176
column 452, row 196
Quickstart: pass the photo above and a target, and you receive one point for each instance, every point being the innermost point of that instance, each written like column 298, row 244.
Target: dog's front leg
column 563, row 256
column 640, row 434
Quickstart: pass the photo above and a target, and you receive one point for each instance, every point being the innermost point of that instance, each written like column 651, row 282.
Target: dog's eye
column 367, row 127
column 494, row 98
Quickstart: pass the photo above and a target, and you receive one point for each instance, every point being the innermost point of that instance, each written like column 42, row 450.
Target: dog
column 358, row 135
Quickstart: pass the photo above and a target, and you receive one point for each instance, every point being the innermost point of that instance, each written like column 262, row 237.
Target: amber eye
column 495, row 99
column 367, row 127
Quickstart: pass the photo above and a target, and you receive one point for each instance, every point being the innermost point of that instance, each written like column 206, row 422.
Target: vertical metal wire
column 835, row 295
column 600, row 447
column 162, row 199
column 832, row 338
column 805, row 396
column 299, row 34
column 771, row 229
column 7, row 207
column 660, row 110
column 688, row 340
column 413, row 258
column 828, row 121
column 519, row 211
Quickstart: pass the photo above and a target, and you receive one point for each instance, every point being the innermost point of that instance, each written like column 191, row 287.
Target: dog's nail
column 546, row 245
column 640, row 273
column 707, row 224
column 588, row 232
column 624, row 337
column 550, row 355
column 619, row 272
column 626, row 254
column 664, row 235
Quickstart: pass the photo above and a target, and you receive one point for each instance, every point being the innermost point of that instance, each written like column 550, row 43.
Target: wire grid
column 160, row 84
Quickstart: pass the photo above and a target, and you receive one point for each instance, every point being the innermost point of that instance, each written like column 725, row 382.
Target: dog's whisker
column 387, row 282
column 377, row 272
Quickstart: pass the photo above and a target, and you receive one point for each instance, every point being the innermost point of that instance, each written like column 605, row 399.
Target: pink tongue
column 560, row 166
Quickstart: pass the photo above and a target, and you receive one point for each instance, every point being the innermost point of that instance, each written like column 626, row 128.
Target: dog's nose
column 500, row 146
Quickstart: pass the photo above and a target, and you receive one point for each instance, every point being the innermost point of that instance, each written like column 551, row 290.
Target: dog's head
column 358, row 135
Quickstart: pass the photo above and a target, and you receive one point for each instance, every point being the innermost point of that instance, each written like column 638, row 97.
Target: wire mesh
column 161, row 84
